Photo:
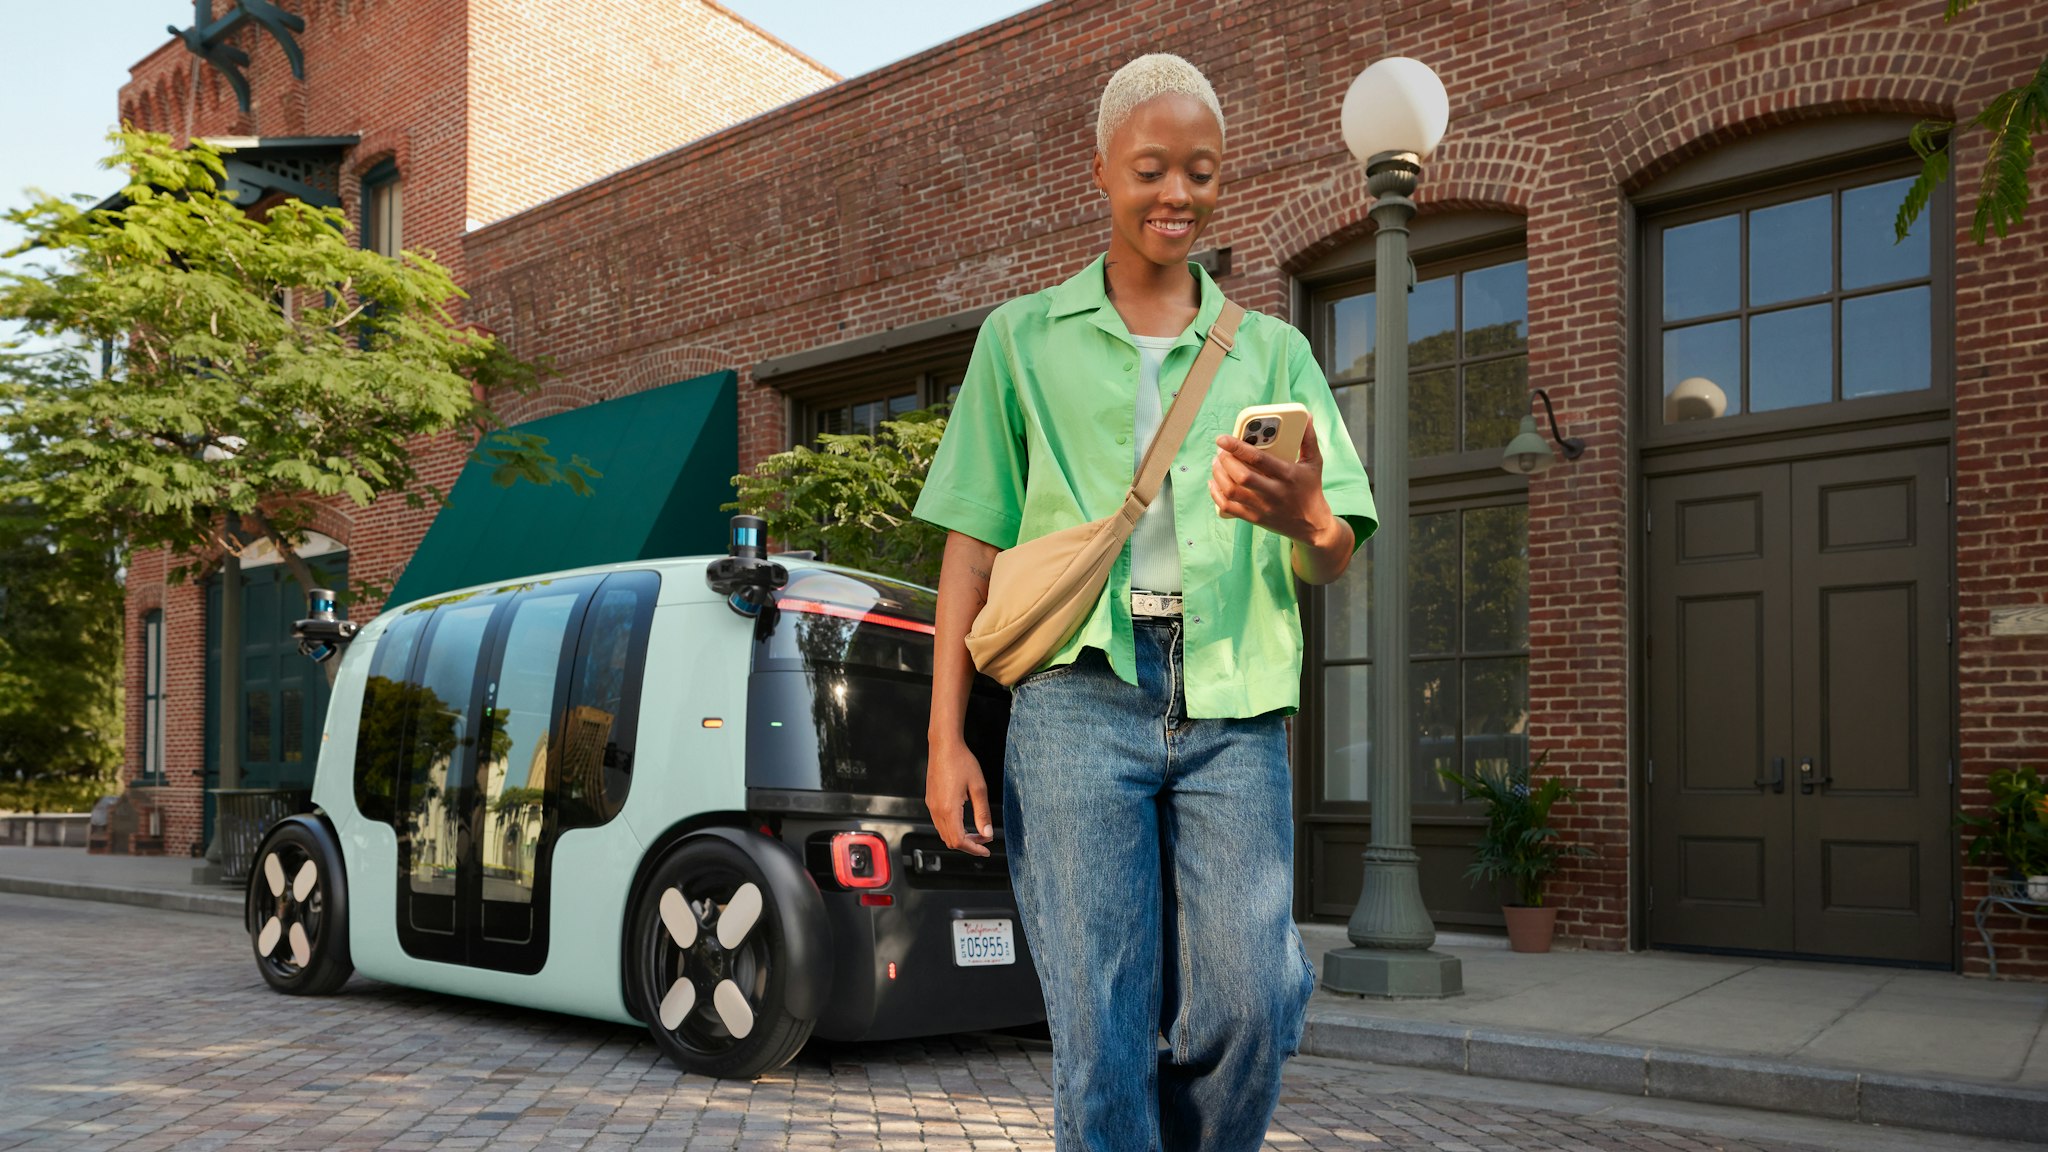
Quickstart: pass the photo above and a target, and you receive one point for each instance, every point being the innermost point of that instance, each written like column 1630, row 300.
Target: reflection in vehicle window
column 604, row 705
column 386, row 702
column 442, row 731
column 513, row 781
column 841, row 686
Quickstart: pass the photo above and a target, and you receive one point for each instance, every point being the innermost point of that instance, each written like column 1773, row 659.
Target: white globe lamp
column 1396, row 105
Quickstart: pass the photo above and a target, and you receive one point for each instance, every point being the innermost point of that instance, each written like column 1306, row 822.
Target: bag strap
column 1181, row 417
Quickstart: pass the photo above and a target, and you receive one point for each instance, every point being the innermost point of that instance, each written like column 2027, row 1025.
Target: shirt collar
column 1086, row 292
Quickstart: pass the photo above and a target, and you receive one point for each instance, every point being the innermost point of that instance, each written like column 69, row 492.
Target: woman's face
column 1161, row 175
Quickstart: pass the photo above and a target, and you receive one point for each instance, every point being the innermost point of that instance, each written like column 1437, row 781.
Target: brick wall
column 958, row 178
column 561, row 94
column 2001, row 463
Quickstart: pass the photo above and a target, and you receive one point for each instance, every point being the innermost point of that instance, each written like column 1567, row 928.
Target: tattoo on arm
column 980, row 573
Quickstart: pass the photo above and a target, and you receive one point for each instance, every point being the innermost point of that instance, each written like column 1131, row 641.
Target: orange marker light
column 892, row 969
column 713, row 722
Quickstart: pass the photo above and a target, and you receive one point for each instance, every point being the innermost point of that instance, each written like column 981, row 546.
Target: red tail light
column 860, row 860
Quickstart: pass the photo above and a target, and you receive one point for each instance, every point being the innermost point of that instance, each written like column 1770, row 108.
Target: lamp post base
column 1393, row 974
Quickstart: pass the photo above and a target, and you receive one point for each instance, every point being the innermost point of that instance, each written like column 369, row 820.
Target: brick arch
column 1466, row 173
column 651, row 369
column 555, row 397
column 1895, row 70
column 335, row 523
column 144, row 598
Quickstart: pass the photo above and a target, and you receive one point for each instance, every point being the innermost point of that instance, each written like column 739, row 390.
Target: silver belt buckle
column 1154, row 604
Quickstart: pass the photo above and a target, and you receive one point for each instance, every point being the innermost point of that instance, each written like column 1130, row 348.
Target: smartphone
column 1274, row 428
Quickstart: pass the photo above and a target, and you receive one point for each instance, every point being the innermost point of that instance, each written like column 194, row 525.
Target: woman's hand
column 952, row 780
column 952, row 776
column 1284, row 496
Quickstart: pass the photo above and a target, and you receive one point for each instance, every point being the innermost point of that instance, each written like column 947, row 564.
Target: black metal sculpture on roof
column 207, row 39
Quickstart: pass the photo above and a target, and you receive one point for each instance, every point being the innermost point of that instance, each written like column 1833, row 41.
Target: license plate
column 979, row 942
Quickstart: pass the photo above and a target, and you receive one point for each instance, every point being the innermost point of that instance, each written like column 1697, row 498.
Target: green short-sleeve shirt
column 1040, row 440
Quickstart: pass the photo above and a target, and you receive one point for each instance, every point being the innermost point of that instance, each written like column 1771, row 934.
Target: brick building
column 423, row 122
column 1775, row 625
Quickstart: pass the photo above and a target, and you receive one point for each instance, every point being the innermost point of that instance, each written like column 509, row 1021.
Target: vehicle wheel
column 298, row 911
column 711, row 967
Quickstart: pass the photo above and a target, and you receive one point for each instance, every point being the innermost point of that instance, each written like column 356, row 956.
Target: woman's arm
column 953, row 776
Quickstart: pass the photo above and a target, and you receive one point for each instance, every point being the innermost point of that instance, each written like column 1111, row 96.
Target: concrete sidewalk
column 1889, row 1046
column 149, row 881
column 1854, row 1042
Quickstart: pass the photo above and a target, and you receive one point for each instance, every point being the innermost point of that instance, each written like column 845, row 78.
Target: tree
column 850, row 498
column 2014, row 117
column 254, row 365
column 60, row 666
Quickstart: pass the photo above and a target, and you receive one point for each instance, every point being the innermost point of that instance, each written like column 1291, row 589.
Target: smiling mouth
column 1173, row 228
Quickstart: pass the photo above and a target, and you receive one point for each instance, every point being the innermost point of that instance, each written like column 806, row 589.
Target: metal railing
column 244, row 816
column 44, row 830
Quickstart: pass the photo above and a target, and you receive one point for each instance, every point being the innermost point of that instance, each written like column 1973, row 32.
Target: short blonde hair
column 1158, row 74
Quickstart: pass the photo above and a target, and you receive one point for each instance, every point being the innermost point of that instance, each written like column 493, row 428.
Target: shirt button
column 1123, row 439
column 1198, row 619
column 1183, row 467
column 1128, row 365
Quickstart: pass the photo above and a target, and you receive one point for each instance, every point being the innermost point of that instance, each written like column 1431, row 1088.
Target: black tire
column 709, row 872
column 320, row 912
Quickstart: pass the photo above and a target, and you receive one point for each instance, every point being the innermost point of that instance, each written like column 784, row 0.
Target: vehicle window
column 604, row 701
column 380, row 731
column 442, row 731
column 841, row 686
column 512, row 782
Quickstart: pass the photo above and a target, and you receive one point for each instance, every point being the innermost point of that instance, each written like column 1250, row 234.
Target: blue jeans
column 1153, row 858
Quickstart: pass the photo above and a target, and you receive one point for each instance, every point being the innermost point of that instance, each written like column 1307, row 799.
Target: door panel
column 1870, row 672
column 434, row 829
column 1798, row 710
column 1719, row 677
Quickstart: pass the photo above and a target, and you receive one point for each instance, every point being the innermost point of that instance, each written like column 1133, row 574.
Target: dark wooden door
column 1720, row 716
column 1870, row 780
column 1799, row 708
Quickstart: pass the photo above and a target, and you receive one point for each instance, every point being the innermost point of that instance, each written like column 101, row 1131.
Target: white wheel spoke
column 732, row 1008
column 738, row 918
column 682, row 996
column 302, row 948
column 266, row 940
column 302, row 884
column 273, row 874
column 680, row 920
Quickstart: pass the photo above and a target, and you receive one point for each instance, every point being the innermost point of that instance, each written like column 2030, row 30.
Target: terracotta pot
column 1529, row 929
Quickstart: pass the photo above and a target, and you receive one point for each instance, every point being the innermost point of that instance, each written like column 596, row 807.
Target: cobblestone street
column 137, row 1029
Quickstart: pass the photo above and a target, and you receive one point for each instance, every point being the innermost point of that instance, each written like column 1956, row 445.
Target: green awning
column 667, row 456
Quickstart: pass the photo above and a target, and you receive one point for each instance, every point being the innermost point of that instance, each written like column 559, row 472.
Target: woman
column 1146, row 800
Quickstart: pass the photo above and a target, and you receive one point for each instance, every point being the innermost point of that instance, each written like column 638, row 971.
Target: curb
column 204, row 902
column 1957, row 1107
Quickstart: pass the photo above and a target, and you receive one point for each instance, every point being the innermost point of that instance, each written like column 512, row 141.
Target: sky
column 67, row 62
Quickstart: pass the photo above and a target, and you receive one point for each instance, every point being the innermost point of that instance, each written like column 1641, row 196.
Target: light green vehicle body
column 697, row 658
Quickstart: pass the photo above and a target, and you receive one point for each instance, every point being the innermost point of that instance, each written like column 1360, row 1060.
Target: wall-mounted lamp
column 1529, row 453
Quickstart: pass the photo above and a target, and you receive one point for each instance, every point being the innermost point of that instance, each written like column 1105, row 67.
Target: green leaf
column 1933, row 170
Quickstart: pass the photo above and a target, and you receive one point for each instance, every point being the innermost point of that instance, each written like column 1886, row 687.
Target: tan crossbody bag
column 1041, row 591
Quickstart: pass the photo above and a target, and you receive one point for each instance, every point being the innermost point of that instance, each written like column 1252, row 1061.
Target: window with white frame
column 153, row 695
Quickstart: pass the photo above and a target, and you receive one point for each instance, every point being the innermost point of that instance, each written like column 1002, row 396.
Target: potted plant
column 1519, row 845
column 2014, row 826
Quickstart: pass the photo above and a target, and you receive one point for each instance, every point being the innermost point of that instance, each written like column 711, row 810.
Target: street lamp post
column 1393, row 117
